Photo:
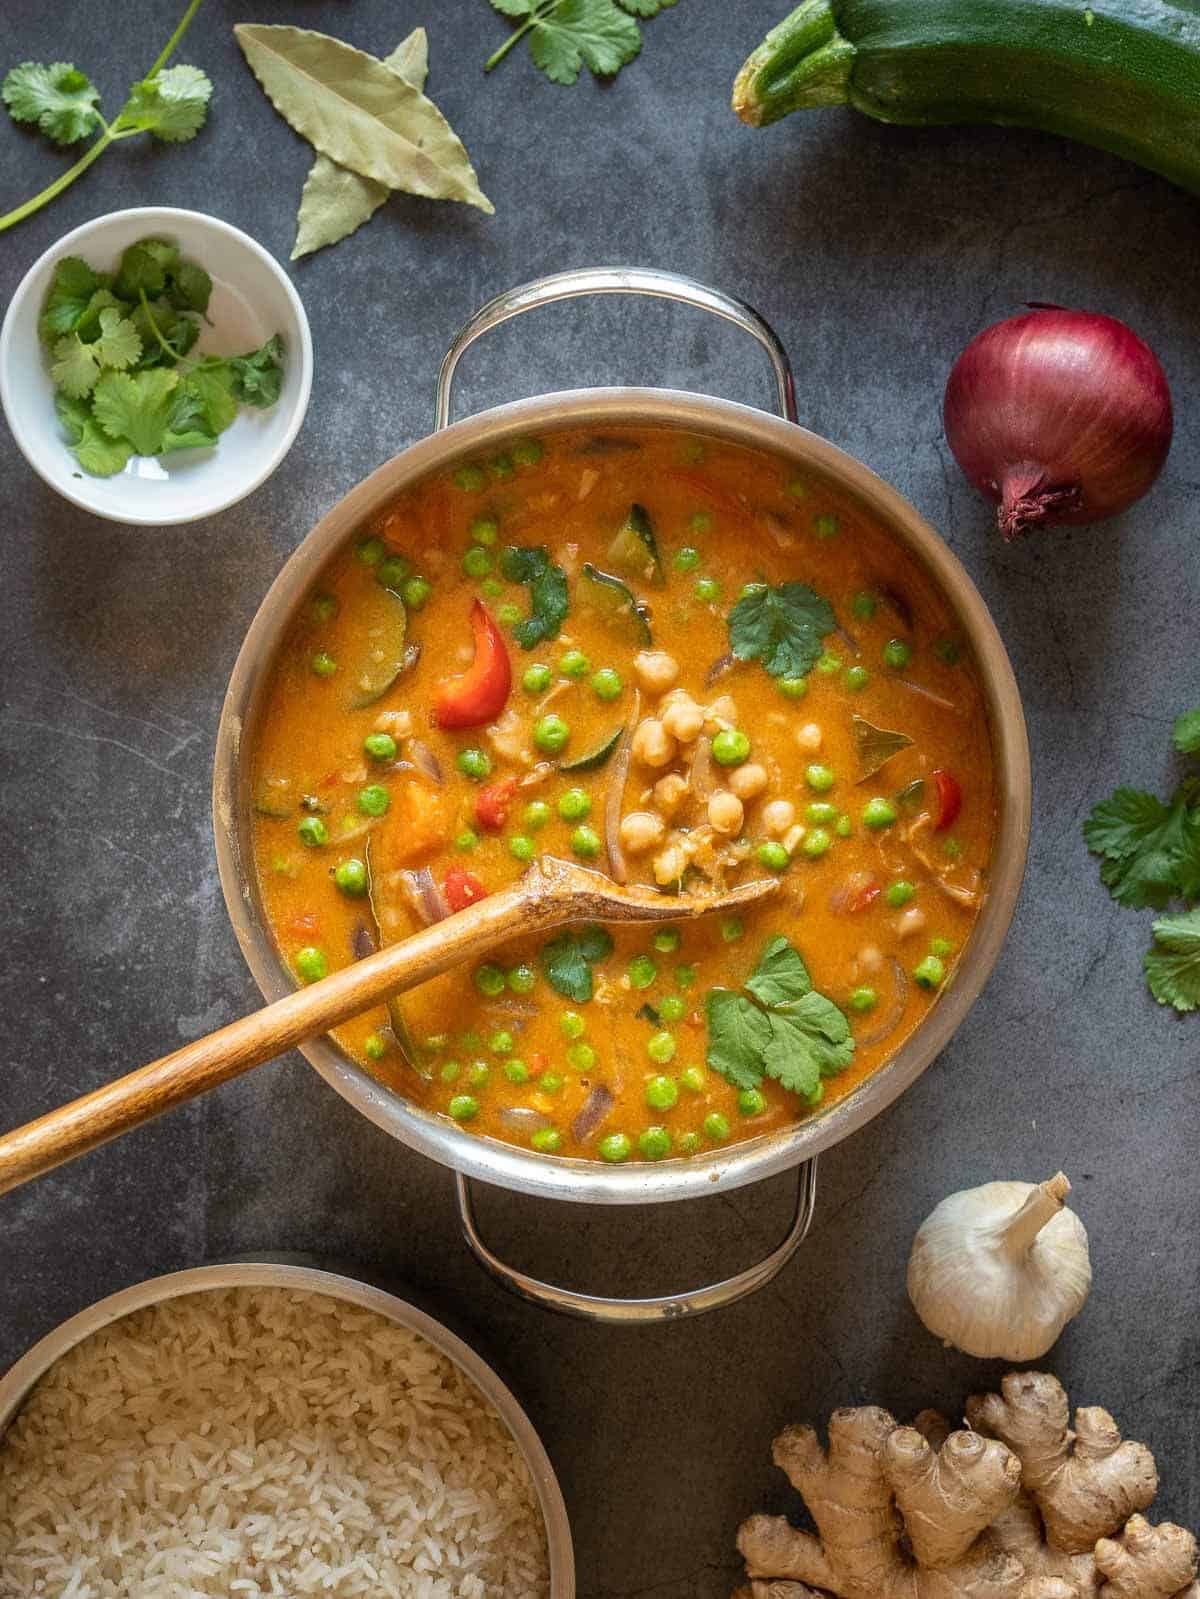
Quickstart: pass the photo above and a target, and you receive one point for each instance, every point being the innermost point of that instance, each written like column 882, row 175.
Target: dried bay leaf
column 360, row 113
column 335, row 201
column 875, row 746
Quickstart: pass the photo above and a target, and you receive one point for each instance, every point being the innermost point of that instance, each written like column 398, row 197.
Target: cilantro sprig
column 1151, row 856
column 549, row 598
column 784, row 1030
column 783, row 627
column 169, row 103
column 567, row 960
column 567, row 35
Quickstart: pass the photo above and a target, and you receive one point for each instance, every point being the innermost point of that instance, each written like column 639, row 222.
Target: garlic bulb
column 999, row 1271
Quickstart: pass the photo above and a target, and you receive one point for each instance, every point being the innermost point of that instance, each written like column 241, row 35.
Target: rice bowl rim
column 19, row 1381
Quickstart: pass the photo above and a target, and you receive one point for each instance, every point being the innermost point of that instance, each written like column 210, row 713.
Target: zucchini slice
column 635, row 548
column 380, row 644
column 595, row 758
column 616, row 604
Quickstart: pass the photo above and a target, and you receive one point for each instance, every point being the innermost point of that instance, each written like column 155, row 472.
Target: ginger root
column 1018, row 1507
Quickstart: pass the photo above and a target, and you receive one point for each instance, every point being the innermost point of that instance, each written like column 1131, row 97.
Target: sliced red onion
column 424, row 759
column 618, row 775
column 928, row 694
column 523, row 1119
column 895, row 1012
column 700, row 777
column 718, row 669
column 595, row 1108
column 424, row 896
column 848, row 639
column 362, row 941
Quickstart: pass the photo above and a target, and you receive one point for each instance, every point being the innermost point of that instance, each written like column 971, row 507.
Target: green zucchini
column 615, row 604
column 380, row 641
column 1120, row 74
column 635, row 548
column 595, row 758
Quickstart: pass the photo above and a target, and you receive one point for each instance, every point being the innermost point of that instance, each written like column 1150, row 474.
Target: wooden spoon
column 550, row 894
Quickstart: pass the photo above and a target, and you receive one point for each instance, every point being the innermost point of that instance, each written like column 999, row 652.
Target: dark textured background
column 876, row 253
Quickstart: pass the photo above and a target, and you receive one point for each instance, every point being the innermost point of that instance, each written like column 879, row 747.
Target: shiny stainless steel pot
column 525, row 1171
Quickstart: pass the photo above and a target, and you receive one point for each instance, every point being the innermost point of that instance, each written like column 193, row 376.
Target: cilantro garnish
column 792, row 1034
column 1173, row 964
column 566, row 35
column 567, row 960
column 1186, row 735
column 169, row 102
column 783, row 627
column 549, row 601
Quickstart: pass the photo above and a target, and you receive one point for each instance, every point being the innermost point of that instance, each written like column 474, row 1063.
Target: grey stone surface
column 876, row 253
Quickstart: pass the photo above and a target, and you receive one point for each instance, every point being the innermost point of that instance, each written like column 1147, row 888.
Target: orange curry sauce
column 525, row 1064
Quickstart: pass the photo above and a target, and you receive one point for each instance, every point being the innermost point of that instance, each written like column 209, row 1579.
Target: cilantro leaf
column 88, row 326
column 96, row 454
column 74, row 368
column 1151, row 851
column 59, row 99
column 172, row 105
column 1173, row 964
column 820, row 1027
column 187, row 425
column 73, row 415
column 190, row 287
column 141, row 272
column 514, row 8
column 258, row 375
column 780, row 974
column 578, row 32
column 567, row 960
column 136, row 406
column 212, row 385
column 118, row 344
column 738, row 1036
column 549, row 596
column 783, row 627
column 176, row 329
column 72, row 287
column 788, row 1059
column 643, row 8
column 1186, row 736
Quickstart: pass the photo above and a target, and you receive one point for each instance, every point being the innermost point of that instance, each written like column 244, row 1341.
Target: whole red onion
column 1059, row 416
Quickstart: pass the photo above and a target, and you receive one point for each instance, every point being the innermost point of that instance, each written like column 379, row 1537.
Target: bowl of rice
column 270, row 1430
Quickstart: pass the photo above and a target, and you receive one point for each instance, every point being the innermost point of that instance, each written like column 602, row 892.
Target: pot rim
column 19, row 1381
column 554, row 1177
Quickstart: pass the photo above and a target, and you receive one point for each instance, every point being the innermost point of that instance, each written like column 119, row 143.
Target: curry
column 672, row 660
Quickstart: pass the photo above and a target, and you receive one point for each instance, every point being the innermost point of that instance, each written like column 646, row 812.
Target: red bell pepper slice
column 949, row 794
column 492, row 803
column 462, row 888
column 478, row 696
column 863, row 897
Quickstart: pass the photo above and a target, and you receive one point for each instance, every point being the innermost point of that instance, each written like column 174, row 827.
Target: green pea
column 661, row 1048
column 732, row 928
column 521, row 979
column 614, row 1148
column 820, row 778
column 750, row 591
column 816, row 842
column 662, row 1093
column 667, row 939
column 751, row 1102
column 484, row 530
column 380, row 746
column 792, row 688
column 463, row 1107
column 687, row 1143
column 550, row 1083
column 707, row 590
column 797, row 488
column 941, row 946
column 687, row 559
column 864, row 605
column 863, row 999
column 692, row 452
column 829, row 664
column 857, row 678
column 693, row 1079
column 773, row 856
column 574, row 805
column 952, row 848
column 471, row 1040
column 571, row 1024
column 390, row 574
column 897, row 653
column 730, row 747
column 581, row 1057
column 701, row 522
column 471, row 479
column 607, row 684
column 547, row 1140
column 521, row 847
column 948, row 651
column 685, row 976
column 574, row 663
column 527, row 452
column 371, row 551
column 323, row 664
column 501, row 466
column 671, row 1008
column 466, row 840
column 324, row 607
column 491, row 588
column 508, row 615
column 474, row 763
column 351, row 877
column 374, row 800
column 878, row 813
column 374, row 1047
column 311, row 964
column 820, row 813
column 716, row 1127
column 449, row 1071
column 929, row 973
column 550, row 733
column 479, row 1073
column 845, row 827
column 642, row 971
column 898, row 893
column 501, row 1043
column 416, row 592
column 477, row 562
column 489, row 980
column 585, row 841
column 654, row 1143
column 826, row 526
column 536, row 679
column 312, row 831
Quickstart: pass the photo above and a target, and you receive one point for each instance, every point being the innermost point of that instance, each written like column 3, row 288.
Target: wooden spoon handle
column 85, row 1123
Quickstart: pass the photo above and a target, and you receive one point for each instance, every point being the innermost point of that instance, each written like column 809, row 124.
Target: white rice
column 262, row 1442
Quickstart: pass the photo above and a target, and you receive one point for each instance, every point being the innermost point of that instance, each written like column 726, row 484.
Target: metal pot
column 490, row 431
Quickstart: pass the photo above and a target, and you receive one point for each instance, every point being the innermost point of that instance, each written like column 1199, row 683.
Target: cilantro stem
column 172, row 43
column 173, row 355
column 498, row 56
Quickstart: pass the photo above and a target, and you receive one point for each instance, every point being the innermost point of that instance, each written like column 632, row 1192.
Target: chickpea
column 913, row 921
column 809, row 736
column 777, row 817
column 793, row 836
column 748, row 781
column 642, row 830
column 669, row 865
column 652, row 744
column 725, row 813
column 669, row 793
column 870, row 959
column 683, row 719
column 721, row 713
column 656, row 670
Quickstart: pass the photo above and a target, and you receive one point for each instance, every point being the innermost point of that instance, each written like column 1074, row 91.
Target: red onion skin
column 1059, row 416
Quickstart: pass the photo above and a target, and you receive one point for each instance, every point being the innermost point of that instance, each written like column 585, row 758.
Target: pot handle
column 616, row 280
column 664, row 1307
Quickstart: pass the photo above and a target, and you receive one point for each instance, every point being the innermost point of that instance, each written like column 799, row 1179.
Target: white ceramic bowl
column 252, row 299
